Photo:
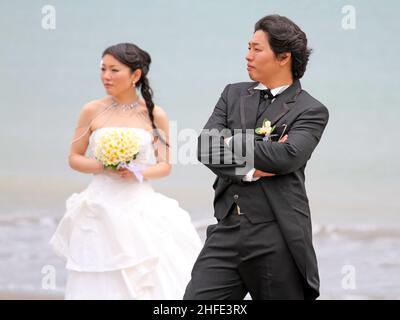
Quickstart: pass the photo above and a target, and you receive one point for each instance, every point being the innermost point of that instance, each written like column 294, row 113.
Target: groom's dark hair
column 285, row 36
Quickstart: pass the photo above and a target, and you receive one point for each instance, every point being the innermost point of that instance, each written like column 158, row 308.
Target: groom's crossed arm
column 283, row 158
column 274, row 157
column 213, row 152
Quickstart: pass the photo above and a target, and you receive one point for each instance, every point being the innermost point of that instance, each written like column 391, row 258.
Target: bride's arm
column 163, row 166
column 77, row 159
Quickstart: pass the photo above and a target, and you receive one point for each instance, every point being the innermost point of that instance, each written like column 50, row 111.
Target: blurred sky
column 197, row 48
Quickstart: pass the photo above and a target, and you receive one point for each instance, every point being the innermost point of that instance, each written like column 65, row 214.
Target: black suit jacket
column 304, row 119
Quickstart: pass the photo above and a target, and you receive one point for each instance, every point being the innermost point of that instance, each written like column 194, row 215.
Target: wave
column 360, row 231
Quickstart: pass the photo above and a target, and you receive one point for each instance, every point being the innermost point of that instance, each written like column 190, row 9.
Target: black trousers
column 239, row 258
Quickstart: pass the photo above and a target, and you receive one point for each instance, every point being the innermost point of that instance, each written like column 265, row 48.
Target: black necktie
column 266, row 98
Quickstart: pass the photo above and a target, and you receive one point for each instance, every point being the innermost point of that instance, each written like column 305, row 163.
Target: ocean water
column 197, row 48
column 355, row 263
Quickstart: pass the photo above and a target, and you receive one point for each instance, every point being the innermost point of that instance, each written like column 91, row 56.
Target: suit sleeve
column 284, row 158
column 213, row 152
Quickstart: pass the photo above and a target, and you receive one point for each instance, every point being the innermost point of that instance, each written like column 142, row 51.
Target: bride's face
column 117, row 77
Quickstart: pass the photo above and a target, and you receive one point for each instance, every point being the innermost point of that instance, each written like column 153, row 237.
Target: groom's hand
column 283, row 139
column 260, row 174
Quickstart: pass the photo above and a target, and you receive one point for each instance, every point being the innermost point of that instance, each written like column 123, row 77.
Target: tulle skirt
column 123, row 240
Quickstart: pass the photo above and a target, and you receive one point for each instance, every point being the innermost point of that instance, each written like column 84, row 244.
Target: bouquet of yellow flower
column 117, row 148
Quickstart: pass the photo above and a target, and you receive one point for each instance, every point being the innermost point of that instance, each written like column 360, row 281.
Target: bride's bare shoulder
column 97, row 105
column 92, row 109
column 159, row 113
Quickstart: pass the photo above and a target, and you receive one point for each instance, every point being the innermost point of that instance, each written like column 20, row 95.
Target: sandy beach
column 370, row 253
column 29, row 295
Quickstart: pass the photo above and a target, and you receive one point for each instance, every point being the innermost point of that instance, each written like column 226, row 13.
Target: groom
column 262, row 242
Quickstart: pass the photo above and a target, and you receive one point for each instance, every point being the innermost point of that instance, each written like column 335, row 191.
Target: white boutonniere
column 265, row 130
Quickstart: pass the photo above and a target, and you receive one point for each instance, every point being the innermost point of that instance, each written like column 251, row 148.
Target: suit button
column 235, row 197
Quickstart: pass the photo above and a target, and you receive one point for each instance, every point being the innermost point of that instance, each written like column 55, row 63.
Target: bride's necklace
column 125, row 107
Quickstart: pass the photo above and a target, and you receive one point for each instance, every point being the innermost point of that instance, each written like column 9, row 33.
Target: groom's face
column 262, row 63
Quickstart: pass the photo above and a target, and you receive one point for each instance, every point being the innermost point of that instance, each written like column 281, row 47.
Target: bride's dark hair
column 135, row 58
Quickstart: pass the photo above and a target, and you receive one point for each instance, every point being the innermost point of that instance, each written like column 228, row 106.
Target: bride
column 120, row 238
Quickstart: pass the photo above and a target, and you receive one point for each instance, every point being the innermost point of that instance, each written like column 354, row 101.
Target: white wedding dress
column 123, row 240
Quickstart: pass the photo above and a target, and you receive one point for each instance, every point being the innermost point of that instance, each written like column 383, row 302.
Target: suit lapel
column 274, row 112
column 280, row 106
column 248, row 108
